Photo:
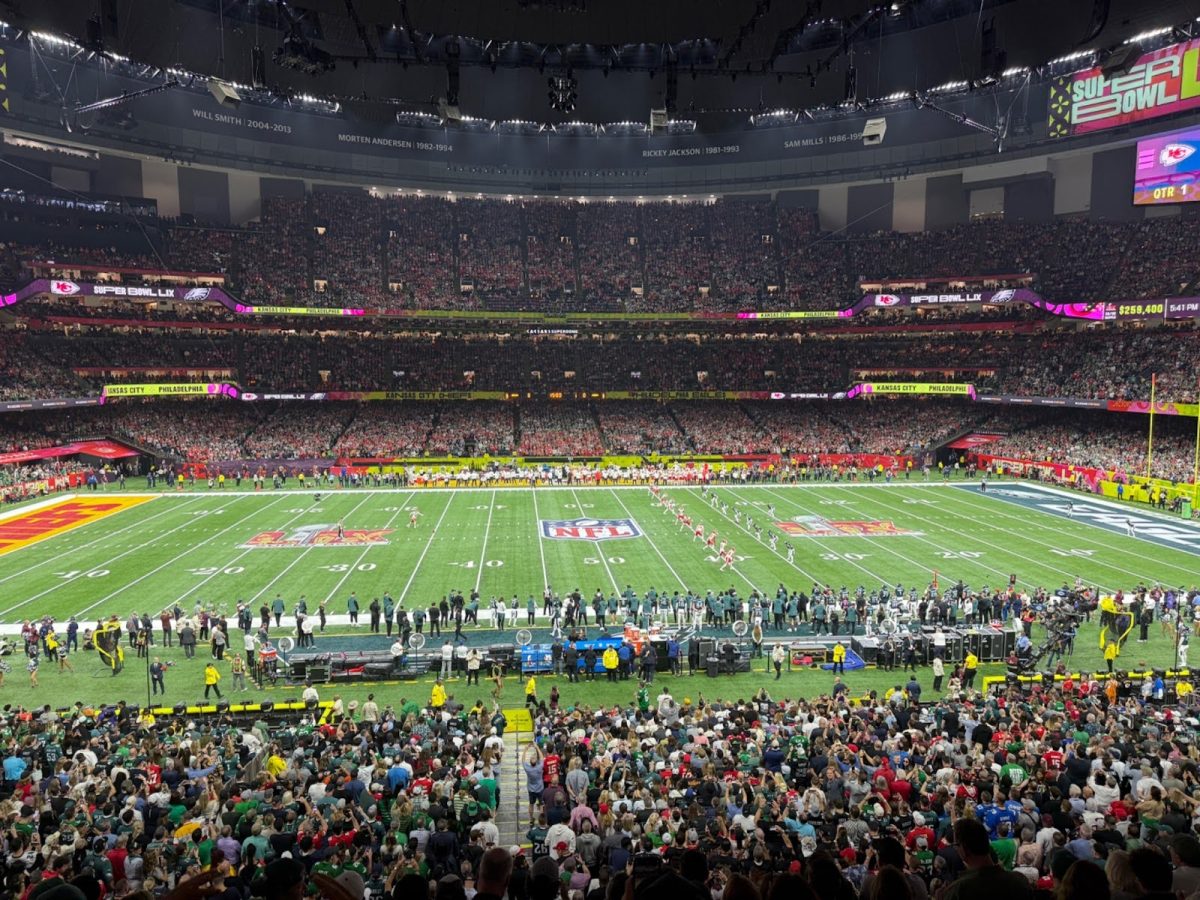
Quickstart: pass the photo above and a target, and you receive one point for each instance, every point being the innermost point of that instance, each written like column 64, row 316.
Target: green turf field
column 209, row 547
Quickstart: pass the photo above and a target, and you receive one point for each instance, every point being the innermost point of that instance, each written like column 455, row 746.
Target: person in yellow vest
column 437, row 697
column 1110, row 654
column 611, row 660
column 970, row 665
column 211, row 679
column 839, row 657
column 531, row 691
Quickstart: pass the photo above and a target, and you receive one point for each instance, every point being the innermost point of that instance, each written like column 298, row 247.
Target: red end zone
column 36, row 525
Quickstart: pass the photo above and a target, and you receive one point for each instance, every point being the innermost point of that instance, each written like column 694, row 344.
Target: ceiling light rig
column 563, row 92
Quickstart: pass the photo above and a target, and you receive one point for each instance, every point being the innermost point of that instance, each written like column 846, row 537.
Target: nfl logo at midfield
column 589, row 529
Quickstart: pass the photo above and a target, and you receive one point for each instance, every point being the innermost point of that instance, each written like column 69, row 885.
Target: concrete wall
column 908, row 204
column 160, row 181
column 869, row 207
column 833, row 207
column 945, row 202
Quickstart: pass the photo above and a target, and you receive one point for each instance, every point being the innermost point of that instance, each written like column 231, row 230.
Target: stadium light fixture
column 1148, row 35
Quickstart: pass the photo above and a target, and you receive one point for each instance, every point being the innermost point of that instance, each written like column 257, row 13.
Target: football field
column 96, row 554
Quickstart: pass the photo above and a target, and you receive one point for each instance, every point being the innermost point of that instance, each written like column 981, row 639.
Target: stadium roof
column 717, row 61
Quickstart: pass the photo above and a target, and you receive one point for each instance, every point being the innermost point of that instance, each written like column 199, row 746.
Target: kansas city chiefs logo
column 589, row 529
column 63, row 288
column 199, row 293
column 1174, row 154
column 320, row 536
column 886, row 300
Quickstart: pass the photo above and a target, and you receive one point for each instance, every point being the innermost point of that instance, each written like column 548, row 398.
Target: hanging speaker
column 224, row 94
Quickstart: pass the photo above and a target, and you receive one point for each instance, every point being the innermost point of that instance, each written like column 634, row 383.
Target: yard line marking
column 101, row 565
column 354, row 566
column 176, row 559
column 249, row 550
column 429, row 543
column 654, row 546
column 58, row 557
column 879, row 543
column 821, row 544
column 1001, row 512
column 946, row 528
column 939, row 527
column 537, row 519
column 303, row 553
column 483, row 553
column 815, row 485
column 749, row 532
column 596, row 544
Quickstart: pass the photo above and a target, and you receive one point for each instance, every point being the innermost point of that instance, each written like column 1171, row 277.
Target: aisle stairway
column 512, row 813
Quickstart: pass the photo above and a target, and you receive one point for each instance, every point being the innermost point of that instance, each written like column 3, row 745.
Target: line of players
column 724, row 551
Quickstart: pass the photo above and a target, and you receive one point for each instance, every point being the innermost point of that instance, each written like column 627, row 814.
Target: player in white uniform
column 412, row 518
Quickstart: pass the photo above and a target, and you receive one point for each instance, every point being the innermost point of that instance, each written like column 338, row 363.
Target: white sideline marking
column 483, row 553
column 169, row 562
column 670, row 568
column 353, row 566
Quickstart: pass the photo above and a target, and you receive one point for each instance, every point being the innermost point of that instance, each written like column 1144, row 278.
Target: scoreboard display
column 1168, row 169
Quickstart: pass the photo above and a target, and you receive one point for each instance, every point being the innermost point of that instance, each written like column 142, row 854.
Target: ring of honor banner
column 1171, row 307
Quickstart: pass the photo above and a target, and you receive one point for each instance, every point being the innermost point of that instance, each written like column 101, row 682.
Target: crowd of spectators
column 347, row 248
column 640, row 428
column 392, row 429
column 610, row 254
column 203, row 250
column 745, row 260
column 1103, row 364
column 678, row 258
column 347, row 256
column 289, row 433
column 272, row 265
column 1109, row 442
column 473, row 429
column 490, row 251
column 568, row 430
column 720, row 428
column 220, row 430
column 550, row 255
column 421, row 259
column 1082, row 789
column 26, row 374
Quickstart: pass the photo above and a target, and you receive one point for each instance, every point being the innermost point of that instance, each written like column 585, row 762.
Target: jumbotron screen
column 1168, row 169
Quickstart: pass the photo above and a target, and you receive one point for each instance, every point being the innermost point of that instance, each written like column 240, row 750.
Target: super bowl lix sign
column 589, row 529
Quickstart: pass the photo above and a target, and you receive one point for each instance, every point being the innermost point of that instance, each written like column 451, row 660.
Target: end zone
column 46, row 520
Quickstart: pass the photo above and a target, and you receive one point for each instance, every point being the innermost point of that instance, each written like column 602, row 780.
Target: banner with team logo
column 199, row 389
column 869, row 388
